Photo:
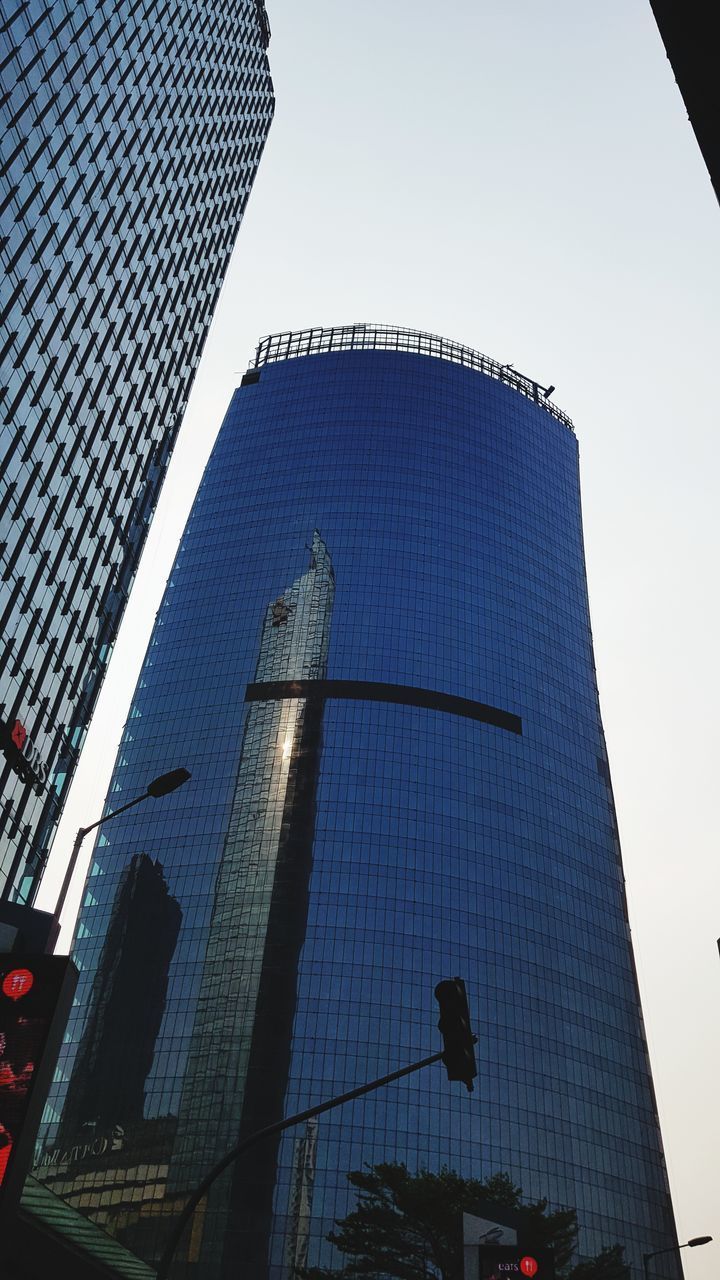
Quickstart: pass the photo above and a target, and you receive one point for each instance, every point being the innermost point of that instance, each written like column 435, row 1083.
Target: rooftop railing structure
column 382, row 337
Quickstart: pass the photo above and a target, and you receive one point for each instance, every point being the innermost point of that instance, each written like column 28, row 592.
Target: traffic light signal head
column 458, row 1039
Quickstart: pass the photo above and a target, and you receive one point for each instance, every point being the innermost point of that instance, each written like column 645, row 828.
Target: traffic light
column 458, row 1039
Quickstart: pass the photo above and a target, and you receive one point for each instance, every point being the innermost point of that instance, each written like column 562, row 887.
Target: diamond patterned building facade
column 131, row 137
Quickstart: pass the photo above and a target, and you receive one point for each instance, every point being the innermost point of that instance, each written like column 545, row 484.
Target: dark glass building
column 374, row 654
column 131, row 135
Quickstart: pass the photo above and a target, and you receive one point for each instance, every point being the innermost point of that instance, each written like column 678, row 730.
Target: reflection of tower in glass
column 303, row 1182
column 239, row 1058
column 107, row 1087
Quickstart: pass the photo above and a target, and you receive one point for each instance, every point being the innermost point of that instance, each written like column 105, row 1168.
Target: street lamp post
column 674, row 1248
column 161, row 786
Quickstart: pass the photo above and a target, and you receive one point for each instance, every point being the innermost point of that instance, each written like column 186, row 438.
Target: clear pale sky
column 521, row 177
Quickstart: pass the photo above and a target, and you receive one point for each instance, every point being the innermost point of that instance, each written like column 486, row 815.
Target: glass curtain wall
column 374, row 655
column 131, row 134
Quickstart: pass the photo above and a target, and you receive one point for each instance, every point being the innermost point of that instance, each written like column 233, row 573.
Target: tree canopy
column 409, row 1226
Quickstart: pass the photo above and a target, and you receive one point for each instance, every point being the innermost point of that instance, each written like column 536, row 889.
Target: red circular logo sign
column 17, row 983
column 528, row 1266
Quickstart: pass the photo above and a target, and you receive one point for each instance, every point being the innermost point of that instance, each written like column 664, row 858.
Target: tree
column 608, row 1265
column 409, row 1226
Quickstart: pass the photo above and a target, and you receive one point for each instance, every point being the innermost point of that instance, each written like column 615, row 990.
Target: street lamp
column 161, row 786
column 674, row 1248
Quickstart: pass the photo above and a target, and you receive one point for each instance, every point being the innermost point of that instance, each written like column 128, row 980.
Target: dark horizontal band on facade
column 375, row 691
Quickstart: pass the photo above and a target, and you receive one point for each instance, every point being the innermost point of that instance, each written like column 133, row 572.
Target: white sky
column 521, row 177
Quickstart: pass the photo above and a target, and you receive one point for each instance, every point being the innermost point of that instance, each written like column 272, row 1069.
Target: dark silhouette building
column 127, row 1006
column 399, row 775
column 131, row 135
column 687, row 29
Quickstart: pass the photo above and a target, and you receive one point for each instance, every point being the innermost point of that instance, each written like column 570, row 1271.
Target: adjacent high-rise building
column 131, row 135
column 374, row 654
column 686, row 33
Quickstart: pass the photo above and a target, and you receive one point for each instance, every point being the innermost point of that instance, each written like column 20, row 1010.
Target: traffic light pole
column 267, row 1132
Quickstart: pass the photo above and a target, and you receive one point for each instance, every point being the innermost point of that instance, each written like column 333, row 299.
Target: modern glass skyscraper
column 374, row 654
column 131, row 137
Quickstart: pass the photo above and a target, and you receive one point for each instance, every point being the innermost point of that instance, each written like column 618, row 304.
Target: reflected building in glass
column 131, row 135
column 374, row 655
column 127, row 1006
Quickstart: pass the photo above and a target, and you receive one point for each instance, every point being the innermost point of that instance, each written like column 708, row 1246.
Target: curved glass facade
column 374, row 655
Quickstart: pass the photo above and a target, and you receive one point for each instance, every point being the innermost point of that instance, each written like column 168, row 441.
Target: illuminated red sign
column 17, row 983
column 35, row 997
column 511, row 1262
column 22, row 753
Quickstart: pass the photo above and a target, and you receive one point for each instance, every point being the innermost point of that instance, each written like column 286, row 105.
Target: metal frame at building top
column 383, row 337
